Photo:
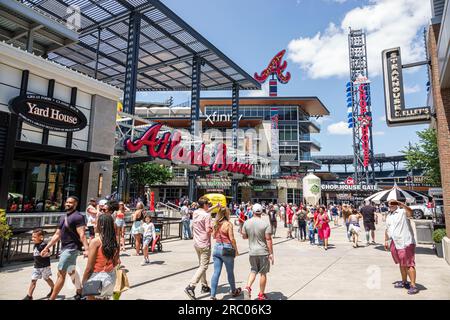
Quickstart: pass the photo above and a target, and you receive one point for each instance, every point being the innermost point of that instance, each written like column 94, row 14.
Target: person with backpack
column 301, row 217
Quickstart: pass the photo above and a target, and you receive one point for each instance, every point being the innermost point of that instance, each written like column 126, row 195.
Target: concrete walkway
column 301, row 271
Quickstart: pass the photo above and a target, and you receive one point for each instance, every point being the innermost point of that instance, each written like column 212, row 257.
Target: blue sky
column 314, row 32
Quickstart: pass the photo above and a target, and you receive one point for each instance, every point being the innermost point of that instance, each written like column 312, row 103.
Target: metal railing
column 19, row 248
column 309, row 158
column 307, row 138
column 312, row 121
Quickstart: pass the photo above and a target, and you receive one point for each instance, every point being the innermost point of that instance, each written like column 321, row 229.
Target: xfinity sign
column 396, row 112
column 215, row 117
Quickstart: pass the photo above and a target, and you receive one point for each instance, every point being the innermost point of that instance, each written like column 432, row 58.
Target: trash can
column 424, row 231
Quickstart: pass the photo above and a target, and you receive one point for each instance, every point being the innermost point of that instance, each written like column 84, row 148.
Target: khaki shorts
column 260, row 264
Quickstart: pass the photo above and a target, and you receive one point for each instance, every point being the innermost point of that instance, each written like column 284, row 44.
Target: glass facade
column 39, row 187
column 286, row 113
column 294, row 196
column 291, row 130
column 288, row 132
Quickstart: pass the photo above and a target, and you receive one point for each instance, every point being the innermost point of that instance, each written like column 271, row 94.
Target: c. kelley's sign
column 49, row 113
column 167, row 146
column 396, row 112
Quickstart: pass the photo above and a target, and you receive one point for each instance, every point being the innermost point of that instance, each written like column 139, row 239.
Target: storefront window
column 294, row 196
column 37, row 187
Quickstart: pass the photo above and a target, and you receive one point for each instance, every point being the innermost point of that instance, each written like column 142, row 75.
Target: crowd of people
column 100, row 238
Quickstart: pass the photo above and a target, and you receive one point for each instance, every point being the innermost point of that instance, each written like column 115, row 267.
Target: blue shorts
column 68, row 260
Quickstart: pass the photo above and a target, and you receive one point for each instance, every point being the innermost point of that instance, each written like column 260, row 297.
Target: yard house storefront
column 57, row 136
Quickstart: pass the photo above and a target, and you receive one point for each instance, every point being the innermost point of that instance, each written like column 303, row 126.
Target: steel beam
column 40, row 19
column 129, row 99
column 195, row 119
column 235, row 125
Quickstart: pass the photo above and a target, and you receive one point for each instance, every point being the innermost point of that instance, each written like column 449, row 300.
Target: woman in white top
column 354, row 228
column 149, row 236
column 295, row 225
column 91, row 213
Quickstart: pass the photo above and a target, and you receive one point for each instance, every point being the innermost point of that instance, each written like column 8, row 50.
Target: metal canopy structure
column 32, row 31
column 167, row 46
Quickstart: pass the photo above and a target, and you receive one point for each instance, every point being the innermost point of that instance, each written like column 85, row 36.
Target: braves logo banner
column 167, row 146
column 275, row 67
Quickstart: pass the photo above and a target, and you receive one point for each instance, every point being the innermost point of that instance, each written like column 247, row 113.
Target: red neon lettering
column 168, row 147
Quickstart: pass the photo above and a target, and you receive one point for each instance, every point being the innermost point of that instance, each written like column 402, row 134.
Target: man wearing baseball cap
column 259, row 235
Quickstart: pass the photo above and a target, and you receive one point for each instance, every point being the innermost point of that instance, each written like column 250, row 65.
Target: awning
column 38, row 152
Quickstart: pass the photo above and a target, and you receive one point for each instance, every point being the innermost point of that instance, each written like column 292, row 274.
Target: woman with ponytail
column 225, row 250
column 103, row 257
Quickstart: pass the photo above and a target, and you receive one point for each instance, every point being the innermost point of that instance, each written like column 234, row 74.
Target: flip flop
column 401, row 284
column 413, row 290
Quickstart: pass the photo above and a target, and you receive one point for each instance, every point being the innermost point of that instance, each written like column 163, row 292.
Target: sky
column 314, row 33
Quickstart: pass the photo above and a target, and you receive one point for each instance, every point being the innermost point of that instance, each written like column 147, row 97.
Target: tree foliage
column 141, row 174
column 5, row 230
column 425, row 155
column 150, row 173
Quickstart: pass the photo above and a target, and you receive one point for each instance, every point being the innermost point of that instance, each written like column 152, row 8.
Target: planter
column 439, row 251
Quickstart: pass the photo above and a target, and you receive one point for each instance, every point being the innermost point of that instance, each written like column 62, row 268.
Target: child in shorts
column 42, row 269
column 149, row 235
column 312, row 237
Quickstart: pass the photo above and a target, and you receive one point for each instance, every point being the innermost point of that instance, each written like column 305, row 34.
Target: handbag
column 92, row 288
column 227, row 252
column 122, row 283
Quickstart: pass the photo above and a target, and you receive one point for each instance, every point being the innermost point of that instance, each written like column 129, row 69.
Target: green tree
column 150, row 173
column 425, row 155
column 140, row 174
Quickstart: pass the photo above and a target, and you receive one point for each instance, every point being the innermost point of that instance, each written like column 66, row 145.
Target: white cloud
column 387, row 23
column 264, row 92
column 323, row 119
column 412, row 89
column 378, row 133
column 339, row 128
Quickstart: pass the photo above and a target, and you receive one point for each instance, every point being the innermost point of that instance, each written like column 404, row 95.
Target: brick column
column 441, row 99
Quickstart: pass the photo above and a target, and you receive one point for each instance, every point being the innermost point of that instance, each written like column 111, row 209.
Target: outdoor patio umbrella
column 398, row 194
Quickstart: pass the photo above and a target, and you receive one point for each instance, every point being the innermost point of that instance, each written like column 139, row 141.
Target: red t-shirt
column 242, row 217
column 290, row 214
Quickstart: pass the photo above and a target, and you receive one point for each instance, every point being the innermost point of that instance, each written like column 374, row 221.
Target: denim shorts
column 108, row 280
column 120, row 223
column 148, row 241
column 68, row 260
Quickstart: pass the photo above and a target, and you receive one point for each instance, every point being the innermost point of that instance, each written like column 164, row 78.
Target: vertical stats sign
column 396, row 112
column 275, row 152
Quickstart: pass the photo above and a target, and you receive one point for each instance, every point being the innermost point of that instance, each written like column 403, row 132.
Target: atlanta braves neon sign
column 167, row 146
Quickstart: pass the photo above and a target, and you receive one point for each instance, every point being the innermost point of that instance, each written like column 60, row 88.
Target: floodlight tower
column 359, row 108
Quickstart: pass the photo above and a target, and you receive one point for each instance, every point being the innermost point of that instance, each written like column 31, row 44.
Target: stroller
column 157, row 241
